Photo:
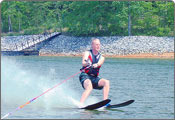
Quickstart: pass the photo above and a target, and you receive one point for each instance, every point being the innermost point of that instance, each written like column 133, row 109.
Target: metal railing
column 31, row 42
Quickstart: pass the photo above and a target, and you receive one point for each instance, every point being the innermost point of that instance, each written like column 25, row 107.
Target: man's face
column 96, row 45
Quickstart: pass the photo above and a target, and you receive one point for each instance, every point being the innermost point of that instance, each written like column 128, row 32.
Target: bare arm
column 101, row 61
column 85, row 58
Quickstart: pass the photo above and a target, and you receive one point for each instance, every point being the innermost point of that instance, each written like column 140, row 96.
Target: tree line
column 89, row 18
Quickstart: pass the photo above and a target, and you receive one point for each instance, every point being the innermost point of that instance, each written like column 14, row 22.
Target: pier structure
column 23, row 48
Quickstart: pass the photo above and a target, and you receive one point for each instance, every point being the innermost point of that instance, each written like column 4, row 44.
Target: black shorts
column 83, row 76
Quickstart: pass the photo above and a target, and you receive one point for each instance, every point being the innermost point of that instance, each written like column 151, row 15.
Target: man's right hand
column 95, row 65
column 86, row 63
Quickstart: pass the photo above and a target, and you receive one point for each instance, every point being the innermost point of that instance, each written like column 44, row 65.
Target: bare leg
column 88, row 89
column 106, row 86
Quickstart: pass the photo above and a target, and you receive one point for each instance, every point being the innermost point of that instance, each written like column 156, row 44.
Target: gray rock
column 112, row 45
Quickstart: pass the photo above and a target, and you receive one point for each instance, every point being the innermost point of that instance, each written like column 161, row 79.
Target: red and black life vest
column 92, row 59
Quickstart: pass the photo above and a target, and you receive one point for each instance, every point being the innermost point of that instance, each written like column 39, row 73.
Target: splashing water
column 20, row 85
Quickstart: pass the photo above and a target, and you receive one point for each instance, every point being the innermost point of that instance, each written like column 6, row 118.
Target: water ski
column 97, row 105
column 120, row 104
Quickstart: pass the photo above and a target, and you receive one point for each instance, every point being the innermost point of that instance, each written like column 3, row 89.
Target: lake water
column 150, row 82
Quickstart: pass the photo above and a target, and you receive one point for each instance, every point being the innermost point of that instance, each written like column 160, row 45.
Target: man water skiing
column 89, row 77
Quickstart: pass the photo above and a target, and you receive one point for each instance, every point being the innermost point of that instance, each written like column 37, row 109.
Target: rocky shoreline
column 112, row 46
column 115, row 46
column 143, row 55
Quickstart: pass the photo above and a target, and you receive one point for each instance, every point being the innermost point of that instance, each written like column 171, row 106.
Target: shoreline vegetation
column 141, row 55
column 87, row 18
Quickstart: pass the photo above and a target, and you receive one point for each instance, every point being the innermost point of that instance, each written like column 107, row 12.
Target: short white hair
column 93, row 39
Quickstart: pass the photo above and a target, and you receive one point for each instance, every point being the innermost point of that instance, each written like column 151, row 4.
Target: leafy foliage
column 89, row 18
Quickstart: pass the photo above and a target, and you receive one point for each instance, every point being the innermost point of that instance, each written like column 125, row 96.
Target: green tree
column 89, row 18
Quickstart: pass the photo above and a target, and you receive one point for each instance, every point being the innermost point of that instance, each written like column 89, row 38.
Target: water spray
column 30, row 101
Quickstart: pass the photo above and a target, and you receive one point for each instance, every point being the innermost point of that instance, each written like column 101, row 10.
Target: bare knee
column 88, row 85
column 104, row 83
